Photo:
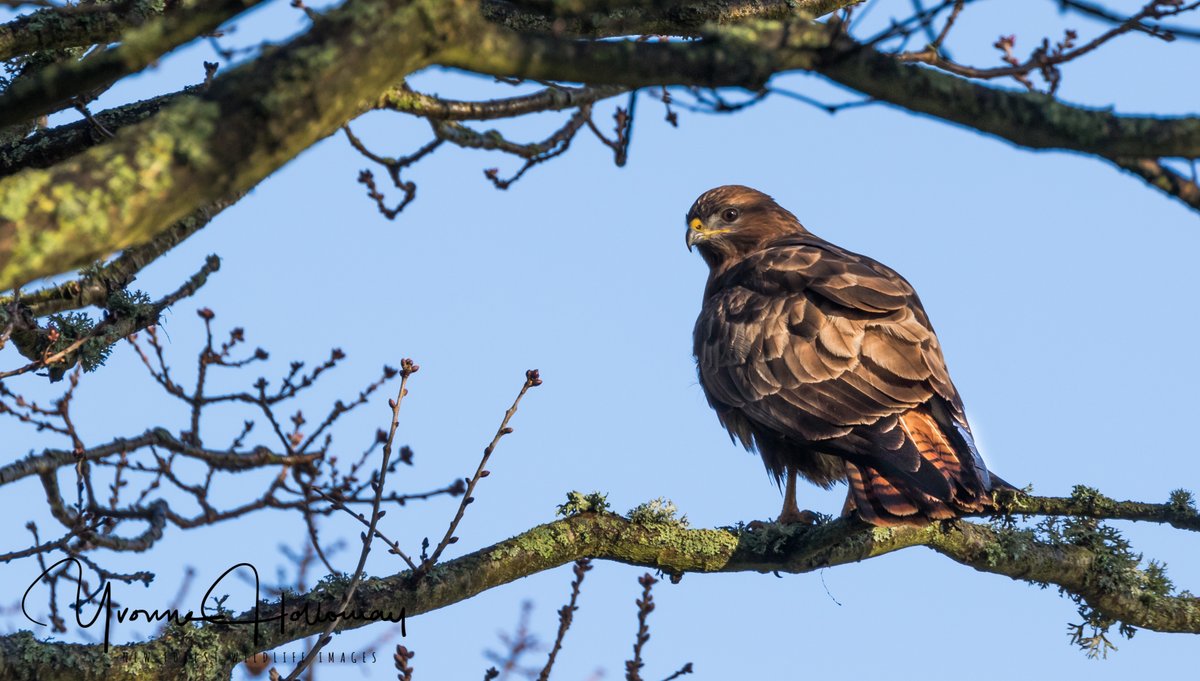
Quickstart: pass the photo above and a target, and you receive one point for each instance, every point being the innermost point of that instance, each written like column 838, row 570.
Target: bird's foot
column 787, row 518
column 794, row 517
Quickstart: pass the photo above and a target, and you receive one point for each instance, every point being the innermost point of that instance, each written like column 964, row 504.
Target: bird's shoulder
column 804, row 264
column 815, row 312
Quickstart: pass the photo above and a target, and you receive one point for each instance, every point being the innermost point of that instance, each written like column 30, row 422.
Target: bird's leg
column 791, row 512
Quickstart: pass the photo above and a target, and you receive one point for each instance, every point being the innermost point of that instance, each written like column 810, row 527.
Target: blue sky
column 1061, row 290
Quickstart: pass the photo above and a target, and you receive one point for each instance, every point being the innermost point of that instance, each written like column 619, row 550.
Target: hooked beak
column 697, row 233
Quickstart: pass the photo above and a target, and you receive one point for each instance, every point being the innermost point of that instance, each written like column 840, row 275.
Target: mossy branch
column 609, row 19
column 77, row 340
column 255, row 118
column 48, row 147
column 61, row 27
column 53, row 87
column 95, row 286
column 243, row 127
column 1111, row 589
column 748, row 54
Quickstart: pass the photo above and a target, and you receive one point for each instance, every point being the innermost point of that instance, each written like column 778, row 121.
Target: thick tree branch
column 667, row 546
column 244, row 126
column 51, row 88
column 1026, row 119
column 255, row 118
column 94, row 288
column 747, row 55
column 47, row 147
column 250, row 121
column 687, row 18
column 77, row 26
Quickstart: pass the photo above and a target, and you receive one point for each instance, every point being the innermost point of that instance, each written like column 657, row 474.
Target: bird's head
column 730, row 222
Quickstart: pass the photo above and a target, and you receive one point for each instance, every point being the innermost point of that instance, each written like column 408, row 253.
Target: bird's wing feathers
column 820, row 345
column 816, row 340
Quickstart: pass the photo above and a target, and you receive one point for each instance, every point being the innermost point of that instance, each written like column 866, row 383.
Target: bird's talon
column 799, row 518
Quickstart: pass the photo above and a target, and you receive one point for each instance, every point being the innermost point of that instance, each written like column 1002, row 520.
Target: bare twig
column 532, row 379
column 407, row 368
column 566, row 615
column 114, row 328
column 633, row 668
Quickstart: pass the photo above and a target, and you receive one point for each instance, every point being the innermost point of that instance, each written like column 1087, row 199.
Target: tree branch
column 406, row 100
column 1026, row 119
column 1164, row 179
column 38, row 343
column 603, row 20
column 255, row 118
column 1081, row 570
column 244, row 126
column 749, row 54
column 1105, row 14
column 77, row 26
column 51, row 460
column 54, row 86
column 94, row 288
column 45, row 148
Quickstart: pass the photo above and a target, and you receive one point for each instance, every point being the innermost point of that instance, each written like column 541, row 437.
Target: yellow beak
column 697, row 233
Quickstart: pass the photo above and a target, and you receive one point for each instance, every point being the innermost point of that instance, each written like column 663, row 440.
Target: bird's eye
column 729, row 214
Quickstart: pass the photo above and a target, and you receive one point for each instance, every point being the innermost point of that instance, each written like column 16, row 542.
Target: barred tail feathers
column 948, row 480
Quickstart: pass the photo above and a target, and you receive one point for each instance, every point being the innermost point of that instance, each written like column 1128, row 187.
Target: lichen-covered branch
column 686, row 18
column 248, row 123
column 57, row 28
column 96, row 286
column 406, row 100
column 748, row 54
column 116, row 193
column 88, row 347
column 245, row 125
column 47, row 147
column 1096, row 573
column 52, row 87
column 1028, row 119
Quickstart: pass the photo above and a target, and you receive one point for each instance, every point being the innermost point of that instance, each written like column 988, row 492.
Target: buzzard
column 825, row 362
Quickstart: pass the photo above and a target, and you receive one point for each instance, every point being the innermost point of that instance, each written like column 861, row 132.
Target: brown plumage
column 825, row 362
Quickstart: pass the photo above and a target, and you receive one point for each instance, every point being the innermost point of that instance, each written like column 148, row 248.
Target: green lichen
column 1114, row 569
column 578, row 502
column 111, row 197
column 1010, row 501
column 765, row 539
column 1010, row 544
column 1182, row 502
column 125, row 303
column 1091, row 499
column 660, row 510
column 71, row 327
column 544, row 541
column 333, row 583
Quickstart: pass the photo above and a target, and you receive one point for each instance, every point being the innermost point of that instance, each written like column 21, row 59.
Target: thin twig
column 407, row 368
column 566, row 615
column 532, row 379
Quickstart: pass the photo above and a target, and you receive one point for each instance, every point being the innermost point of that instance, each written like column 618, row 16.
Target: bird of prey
column 825, row 362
